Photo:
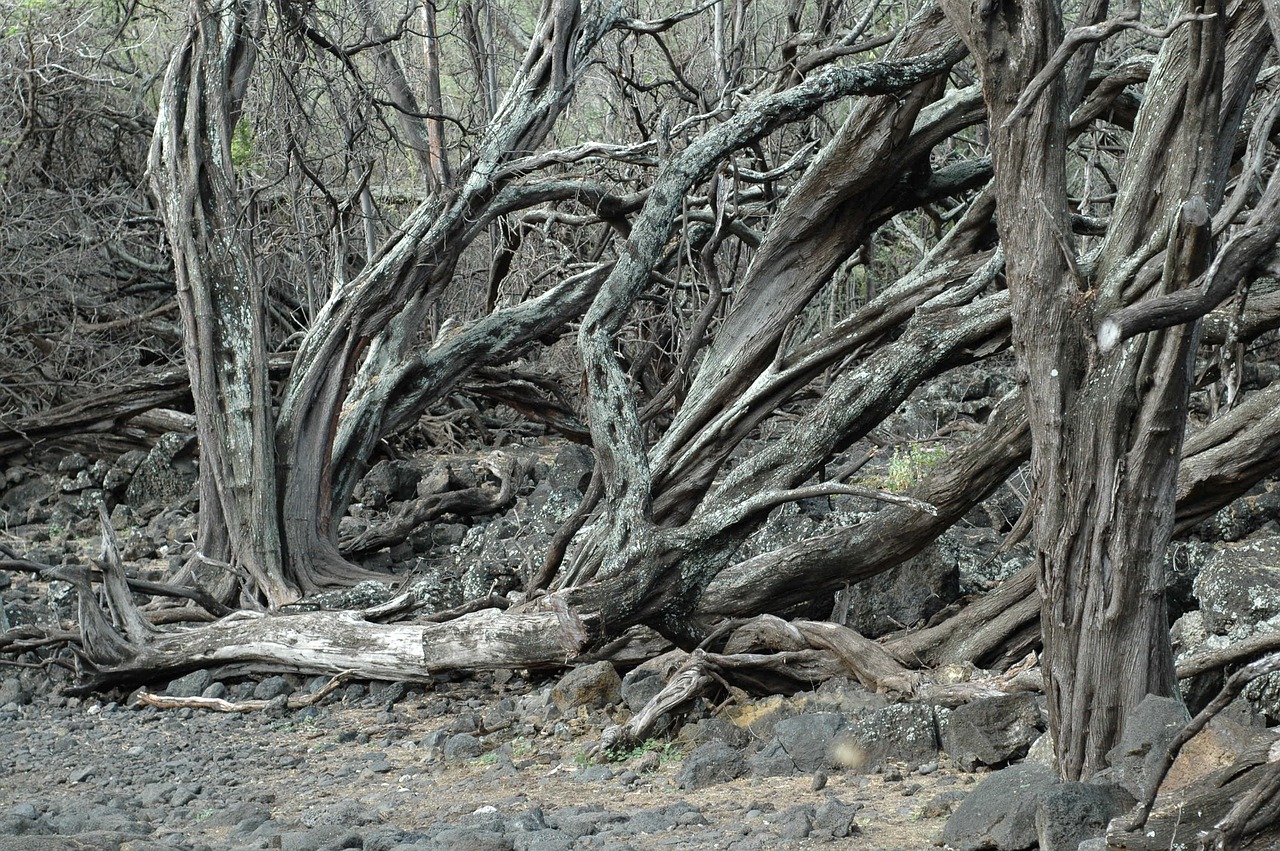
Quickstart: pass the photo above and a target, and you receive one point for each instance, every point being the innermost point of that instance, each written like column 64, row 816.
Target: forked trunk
column 1106, row 427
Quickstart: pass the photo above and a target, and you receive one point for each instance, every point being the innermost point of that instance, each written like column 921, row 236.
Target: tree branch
column 1076, row 39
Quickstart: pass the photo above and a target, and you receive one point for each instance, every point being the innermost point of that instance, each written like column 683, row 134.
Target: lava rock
column 801, row 744
column 572, row 468
column 165, row 476
column 1241, row 584
column 904, row 733
column 992, row 731
column 835, row 818
column 904, row 595
column 463, row 746
column 712, row 763
column 1070, row 813
column 388, row 481
column 191, row 685
column 641, row 685
column 1147, row 733
column 593, row 686
column 272, row 687
column 1001, row 810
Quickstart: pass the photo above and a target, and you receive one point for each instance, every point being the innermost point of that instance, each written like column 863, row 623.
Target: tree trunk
column 1106, row 430
column 220, row 293
column 271, row 491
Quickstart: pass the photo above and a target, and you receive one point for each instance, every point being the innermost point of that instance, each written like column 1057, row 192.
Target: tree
column 732, row 263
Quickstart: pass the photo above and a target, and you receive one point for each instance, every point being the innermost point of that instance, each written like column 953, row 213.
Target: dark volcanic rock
column 801, row 744
column 1070, row 813
column 902, row 733
column 593, row 686
column 904, row 595
column 992, row 731
column 1147, row 733
column 572, row 468
column 1001, row 811
column 712, row 763
column 165, row 476
column 1240, row 585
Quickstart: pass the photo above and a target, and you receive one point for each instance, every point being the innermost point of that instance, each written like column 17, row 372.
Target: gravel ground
column 397, row 768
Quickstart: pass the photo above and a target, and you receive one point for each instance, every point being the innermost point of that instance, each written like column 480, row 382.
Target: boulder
column 1220, row 744
column 834, row 818
column 992, row 731
column 165, row 476
column 801, row 744
column 712, row 763
column 593, row 686
column 1071, row 813
column 903, row 733
column 1147, row 733
column 1240, row 585
column 572, row 468
column 905, row 595
column 118, row 475
column 1000, row 812
column 191, row 685
column 641, row 685
column 388, row 481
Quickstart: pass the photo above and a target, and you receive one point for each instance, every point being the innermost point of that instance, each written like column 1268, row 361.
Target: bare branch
column 1079, row 37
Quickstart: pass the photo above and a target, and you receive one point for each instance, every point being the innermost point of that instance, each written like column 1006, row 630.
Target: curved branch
column 1078, row 38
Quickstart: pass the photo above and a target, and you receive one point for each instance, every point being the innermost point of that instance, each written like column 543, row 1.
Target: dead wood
column 332, row 642
column 1210, row 814
column 489, row 601
column 140, row 586
column 866, row 660
column 698, row 677
column 535, row 397
column 1212, row 660
column 766, row 654
column 104, row 412
column 977, row 631
column 217, row 704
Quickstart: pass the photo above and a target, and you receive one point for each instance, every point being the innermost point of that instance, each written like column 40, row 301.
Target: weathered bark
column 106, row 412
column 365, row 342
column 828, row 214
column 1106, row 431
column 286, row 543
column 337, row 642
column 769, row 582
column 220, row 293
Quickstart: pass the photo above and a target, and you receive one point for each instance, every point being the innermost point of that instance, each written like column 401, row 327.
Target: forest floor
column 359, row 771
column 380, row 766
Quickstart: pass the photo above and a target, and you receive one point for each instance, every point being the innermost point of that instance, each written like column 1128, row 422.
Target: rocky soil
column 397, row 767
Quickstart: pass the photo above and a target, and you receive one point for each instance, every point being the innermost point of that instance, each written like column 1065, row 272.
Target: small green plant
column 490, row 758
column 907, row 468
column 666, row 751
column 242, row 152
